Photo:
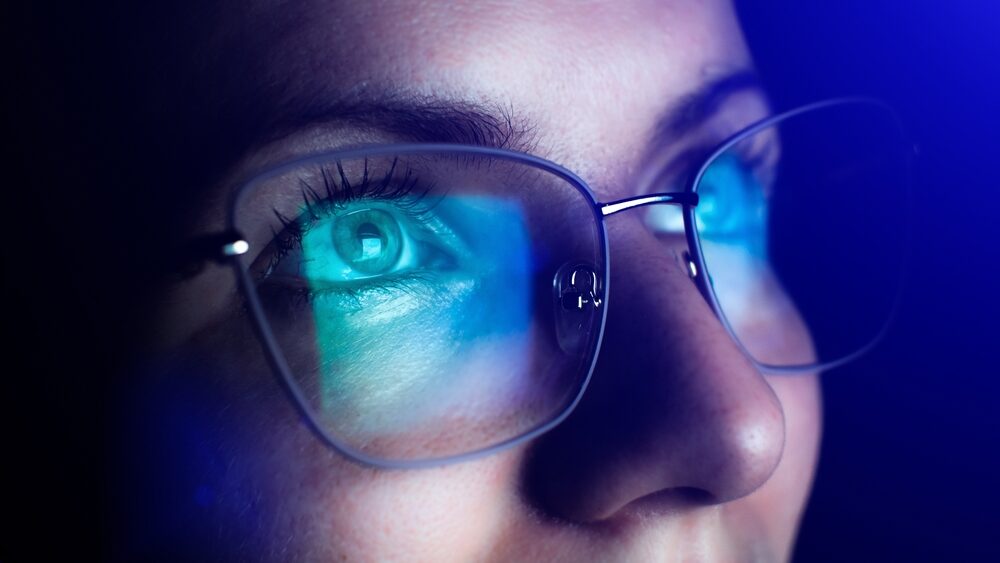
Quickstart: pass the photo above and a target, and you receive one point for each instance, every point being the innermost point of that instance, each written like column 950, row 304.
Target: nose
column 675, row 413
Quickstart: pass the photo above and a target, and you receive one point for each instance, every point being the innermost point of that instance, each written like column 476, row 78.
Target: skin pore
column 680, row 450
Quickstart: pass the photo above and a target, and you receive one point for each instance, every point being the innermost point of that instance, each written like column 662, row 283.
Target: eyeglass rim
column 600, row 210
column 698, row 257
column 275, row 355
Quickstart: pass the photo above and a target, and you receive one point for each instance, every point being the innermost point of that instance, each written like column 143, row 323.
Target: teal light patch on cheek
column 395, row 348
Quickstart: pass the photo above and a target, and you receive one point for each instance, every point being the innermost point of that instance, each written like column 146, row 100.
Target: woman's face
column 680, row 449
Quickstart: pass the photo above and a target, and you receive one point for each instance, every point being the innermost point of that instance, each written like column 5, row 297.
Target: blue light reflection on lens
column 732, row 207
column 462, row 284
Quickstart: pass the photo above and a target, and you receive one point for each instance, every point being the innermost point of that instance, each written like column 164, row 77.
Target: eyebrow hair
column 694, row 109
column 421, row 119
column 430, row 119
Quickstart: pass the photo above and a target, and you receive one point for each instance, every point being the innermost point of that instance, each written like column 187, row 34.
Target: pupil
column 368, row 230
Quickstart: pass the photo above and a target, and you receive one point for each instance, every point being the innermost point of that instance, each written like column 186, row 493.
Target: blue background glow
column 909, row 465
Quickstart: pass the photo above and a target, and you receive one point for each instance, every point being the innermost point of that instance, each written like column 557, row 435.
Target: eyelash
column 407, row 194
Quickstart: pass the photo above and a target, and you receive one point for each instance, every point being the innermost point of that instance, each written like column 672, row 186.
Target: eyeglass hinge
column 218, row 248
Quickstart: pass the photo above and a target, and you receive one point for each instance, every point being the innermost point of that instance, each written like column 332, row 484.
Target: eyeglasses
column 431, row 303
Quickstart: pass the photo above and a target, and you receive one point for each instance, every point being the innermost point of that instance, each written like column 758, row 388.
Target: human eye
column 355, row 242
column 736, row 232
column 733, row 196
column 734, row 193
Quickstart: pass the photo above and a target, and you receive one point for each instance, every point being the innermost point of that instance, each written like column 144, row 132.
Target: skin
column 680, row 450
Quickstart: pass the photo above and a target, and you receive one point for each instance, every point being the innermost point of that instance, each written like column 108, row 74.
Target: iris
column 368, row 240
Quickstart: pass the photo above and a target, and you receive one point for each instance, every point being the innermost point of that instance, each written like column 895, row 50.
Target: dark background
column 909, row 461
column 909, row 469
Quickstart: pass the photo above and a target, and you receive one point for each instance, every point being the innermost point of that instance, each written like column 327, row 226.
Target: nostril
column 665, row 502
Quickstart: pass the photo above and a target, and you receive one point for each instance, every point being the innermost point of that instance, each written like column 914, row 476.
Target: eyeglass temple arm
column 681, row 198
column 216, row 247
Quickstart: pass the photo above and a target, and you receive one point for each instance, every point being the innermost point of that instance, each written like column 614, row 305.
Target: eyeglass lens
column 428, row 304
column 802, row 228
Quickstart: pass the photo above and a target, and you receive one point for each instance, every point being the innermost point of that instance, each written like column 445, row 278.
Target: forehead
column 591, row 78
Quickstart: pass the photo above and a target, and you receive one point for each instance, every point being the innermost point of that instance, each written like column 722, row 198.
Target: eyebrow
column 421, row 119
column 694, row 109
column 429, row 119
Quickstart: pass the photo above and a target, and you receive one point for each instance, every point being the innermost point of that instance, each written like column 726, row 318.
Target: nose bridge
column 674, row 406
column 666, row 220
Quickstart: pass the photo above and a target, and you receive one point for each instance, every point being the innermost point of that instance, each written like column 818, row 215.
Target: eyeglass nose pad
column 578, row 290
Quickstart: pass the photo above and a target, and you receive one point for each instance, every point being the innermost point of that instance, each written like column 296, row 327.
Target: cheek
column 285, row 493
column 278, row 493
column 336, row 509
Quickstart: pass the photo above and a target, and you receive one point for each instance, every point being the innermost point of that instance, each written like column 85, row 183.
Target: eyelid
column 675, row 174
column 760, row 158
column 278, row 205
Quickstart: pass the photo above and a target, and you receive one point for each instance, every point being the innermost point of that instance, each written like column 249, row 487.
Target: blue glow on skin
column 732, row 217
column 732, row 206
column 732, row 226
column 395, row 345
